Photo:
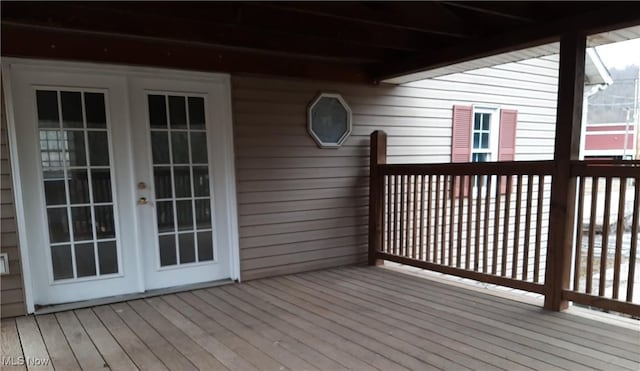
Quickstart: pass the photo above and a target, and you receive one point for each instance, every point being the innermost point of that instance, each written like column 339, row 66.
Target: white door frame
column 226, row 132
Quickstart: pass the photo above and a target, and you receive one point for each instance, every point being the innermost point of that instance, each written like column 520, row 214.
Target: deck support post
column 563, row 186
column 378, row 156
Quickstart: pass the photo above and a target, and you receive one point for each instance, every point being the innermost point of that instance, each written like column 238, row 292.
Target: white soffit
column 516, row 55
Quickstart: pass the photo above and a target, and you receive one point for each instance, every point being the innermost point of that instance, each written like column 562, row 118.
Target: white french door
column 126, row 180
column 180, row 180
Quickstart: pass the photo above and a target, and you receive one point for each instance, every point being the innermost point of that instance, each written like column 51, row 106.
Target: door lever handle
column 143, row 201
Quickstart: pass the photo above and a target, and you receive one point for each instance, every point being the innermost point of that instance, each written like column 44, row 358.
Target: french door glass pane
column 177, row 112
column 101, row 184
column 54, row 190
column 167, row 250
column 47, row 103
column 74, row 151
column 98, row 148
column 71, row 109
column 85, row 260
column 81, row 221
column 181, row 178
column 205, row 246
column 196, row 113
column 108, row 257
column 95, row 110
column 179, row 147
column 78, row 186
column 58, row 225
column 62, row 262
column 157, row 111
column 187, row 248
column 162, row 182
column 73, row 144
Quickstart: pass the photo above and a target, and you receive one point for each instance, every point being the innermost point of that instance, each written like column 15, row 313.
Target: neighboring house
column 611, row 116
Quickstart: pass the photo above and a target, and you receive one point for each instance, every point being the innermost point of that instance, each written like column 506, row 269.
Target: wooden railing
column 605, row 252
column 490, row 222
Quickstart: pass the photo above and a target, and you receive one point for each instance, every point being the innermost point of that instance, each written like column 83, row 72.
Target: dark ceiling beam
column 53, row 43
column 611, row 16
column 484, row 9
column 266, row 23
column 117, row 21
column 434, row 21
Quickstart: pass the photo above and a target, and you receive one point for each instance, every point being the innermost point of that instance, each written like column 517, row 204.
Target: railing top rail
column 471, row 168
column 605, row 162
column 606, row 168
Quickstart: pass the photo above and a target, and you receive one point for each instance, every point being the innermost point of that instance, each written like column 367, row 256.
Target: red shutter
column 507, row 141
column 461, row 138
column 461, row 141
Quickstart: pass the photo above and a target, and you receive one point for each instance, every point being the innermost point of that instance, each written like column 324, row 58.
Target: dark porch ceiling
column 350, row 41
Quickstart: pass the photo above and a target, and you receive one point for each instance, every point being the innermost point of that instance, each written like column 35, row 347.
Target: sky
column 620, row 54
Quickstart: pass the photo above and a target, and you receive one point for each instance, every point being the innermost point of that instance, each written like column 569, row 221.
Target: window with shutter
column 481, row 134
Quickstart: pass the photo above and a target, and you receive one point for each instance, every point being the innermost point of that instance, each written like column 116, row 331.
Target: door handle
column 143, row 201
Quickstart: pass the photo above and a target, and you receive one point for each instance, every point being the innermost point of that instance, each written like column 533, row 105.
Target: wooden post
column 378, row 156
column 563, row 186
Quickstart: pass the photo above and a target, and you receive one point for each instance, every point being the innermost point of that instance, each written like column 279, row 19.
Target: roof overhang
column 365, row 42
column 594, row 65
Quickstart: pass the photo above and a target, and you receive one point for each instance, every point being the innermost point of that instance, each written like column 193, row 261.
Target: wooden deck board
column 57, row 346
column 132, row 342
column 11, row 349
column 536, row 322
column 563, row 353
column 32, row 343
column 81, row 344
column 356, row 318
column 309, row 345
column 582, row 335
column 109, row 348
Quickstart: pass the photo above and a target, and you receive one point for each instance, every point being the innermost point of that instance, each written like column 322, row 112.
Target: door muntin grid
column 182, row 192
column 77, row 180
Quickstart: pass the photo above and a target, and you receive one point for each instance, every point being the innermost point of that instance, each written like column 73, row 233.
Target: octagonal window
column 329, row 120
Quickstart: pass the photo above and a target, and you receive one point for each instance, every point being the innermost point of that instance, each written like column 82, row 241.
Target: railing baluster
column 604, row 249
column 540, row 206
column 403, row 216
column 443, row 239
column 527, row 231
column 505, row 230
column 496, row 227
column 617, row 260
column 592, row 233
column 478, row 199
column 452, row 214
column 427, row 245
column 461, row 186
column 485, row 235
column 396, row 220
column 578, row 251
column 467, row 260
column 389, row 212
column 633, row 249
column 516, row 232
column 435, row 220
column 414, row 240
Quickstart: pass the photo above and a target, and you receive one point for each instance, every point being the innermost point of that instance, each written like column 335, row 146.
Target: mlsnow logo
column 25, row 361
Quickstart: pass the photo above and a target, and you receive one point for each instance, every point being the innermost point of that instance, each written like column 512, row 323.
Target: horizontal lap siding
column 11, row 292
column 303, row 208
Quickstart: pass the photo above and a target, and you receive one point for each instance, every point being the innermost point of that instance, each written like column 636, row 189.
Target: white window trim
column 494, row 137
column 494, row 131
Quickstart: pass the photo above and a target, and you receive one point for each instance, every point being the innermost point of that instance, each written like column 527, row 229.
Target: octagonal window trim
column 314, row 103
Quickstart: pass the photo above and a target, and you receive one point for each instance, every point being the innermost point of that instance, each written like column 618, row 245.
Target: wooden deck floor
column 349, row 318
